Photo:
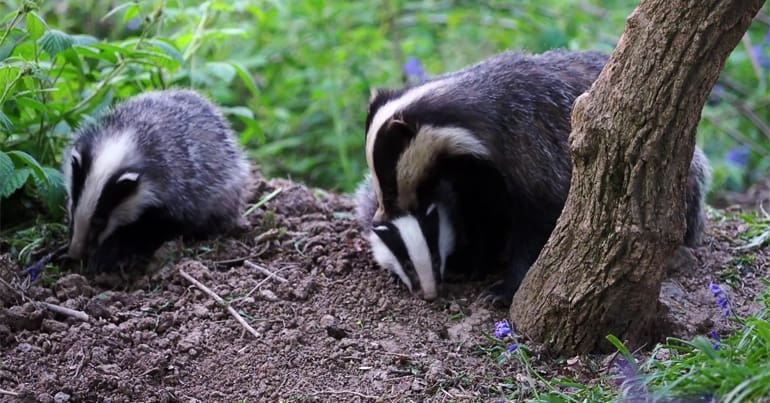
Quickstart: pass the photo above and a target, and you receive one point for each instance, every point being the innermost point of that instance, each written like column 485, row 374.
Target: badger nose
column 75, row 251
column 429, row 295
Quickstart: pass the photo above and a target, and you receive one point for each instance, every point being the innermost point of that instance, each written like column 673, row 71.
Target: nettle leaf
column 22, row 158
column 168, row 48
column 119, row 9
column 240, row 111
column 6, row 167
column 247, row 78
column 221, row 70
column 53, row 193
column 36, row 26
column 84, row 40
column 55, row 41
column 14, row 182
column 5, row 123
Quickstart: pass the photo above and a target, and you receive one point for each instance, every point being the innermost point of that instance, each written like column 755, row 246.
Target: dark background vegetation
column 294, row 77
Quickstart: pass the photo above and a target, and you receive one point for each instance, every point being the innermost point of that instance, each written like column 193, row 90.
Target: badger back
column 511, row 110
column 170, row 150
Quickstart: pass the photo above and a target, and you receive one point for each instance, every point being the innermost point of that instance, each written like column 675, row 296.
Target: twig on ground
column 8, row 393
column 344, row 392
column 67, row 311
column 265, row 271
column 221, row 301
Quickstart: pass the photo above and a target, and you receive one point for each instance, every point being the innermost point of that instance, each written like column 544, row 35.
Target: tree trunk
column 632, row 140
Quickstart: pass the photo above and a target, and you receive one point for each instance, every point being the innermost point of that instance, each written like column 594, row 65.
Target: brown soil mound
column 332, row 326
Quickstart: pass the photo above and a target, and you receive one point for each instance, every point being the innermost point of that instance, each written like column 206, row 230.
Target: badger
column 159, row 165
column 469, row 171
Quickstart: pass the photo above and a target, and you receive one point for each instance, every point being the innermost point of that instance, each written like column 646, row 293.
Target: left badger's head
column 159, row 165
column 106, row 185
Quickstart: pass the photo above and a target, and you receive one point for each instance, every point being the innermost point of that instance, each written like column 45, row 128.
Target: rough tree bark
column 632, row 140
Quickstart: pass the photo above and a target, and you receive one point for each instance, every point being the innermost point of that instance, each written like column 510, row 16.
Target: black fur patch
column 392, row 139
column 79, row 173
column 391, row 237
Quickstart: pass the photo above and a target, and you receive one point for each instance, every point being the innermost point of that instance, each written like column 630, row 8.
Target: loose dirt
column 332, row 326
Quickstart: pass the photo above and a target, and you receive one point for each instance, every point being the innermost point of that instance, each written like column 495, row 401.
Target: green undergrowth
column 732, row 368
column 294, row 77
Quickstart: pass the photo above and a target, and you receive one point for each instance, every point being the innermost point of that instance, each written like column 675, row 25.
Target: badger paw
column 498, row 295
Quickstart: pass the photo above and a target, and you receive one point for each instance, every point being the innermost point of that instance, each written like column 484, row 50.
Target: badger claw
column 498, row 295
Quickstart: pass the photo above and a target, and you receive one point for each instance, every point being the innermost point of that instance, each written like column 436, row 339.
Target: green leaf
column 169, row 49
column 119, row 9
column 35, row 25
column 83, row 40
column 247, row 78
column 55, row 41
column 33, row 104
column 20, row 157
column 222, row 71
column 240, row 111
column 6, row 167
column 131, row 12
column 14, row 182
column 5, row 123
column 54, row 193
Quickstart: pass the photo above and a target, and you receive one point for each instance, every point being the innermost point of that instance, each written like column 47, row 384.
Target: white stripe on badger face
column 446, row 238
column 419, row 254
column 110, row 154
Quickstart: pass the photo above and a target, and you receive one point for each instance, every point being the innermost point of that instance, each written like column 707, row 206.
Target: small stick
column 67, row 311
column 265, row 271
column 8, row 393
column 344, row 392
column 222, row 302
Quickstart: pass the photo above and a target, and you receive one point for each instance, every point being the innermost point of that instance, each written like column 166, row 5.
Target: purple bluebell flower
column 717, row 340
column 721, row 297
column 502, row 329
column 739, row 156
column 759, row 53
column 134, row 24
column 414, row 71
column 513, row 347
column 34, row 271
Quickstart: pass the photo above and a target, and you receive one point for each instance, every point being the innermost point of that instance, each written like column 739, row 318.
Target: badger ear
column 128, row 177
column 75, row 157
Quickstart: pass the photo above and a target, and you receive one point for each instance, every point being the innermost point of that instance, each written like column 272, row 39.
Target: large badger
column 159, row 165
column 469, row 171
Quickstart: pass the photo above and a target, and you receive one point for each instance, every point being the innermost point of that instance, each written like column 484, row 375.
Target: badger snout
column 428, row 296
column 75, row 250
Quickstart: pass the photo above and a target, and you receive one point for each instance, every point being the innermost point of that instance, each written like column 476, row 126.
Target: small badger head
column 104, row 180
column 413, row 246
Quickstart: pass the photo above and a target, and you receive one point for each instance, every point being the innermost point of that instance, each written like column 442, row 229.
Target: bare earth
column 338, row 328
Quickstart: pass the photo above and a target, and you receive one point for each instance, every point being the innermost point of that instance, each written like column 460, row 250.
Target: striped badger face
column 104, row 184
column 415, row 248
column 412, row 233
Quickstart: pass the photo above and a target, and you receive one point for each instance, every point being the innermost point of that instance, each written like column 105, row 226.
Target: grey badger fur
column 158, row 165
column 487, row 144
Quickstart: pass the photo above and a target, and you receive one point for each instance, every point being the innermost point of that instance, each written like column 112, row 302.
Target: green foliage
column 52, row 80
column 294, row 77
column 734, row 369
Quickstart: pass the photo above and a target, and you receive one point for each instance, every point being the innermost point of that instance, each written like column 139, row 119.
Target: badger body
column 489, row 143
column 159, row 165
